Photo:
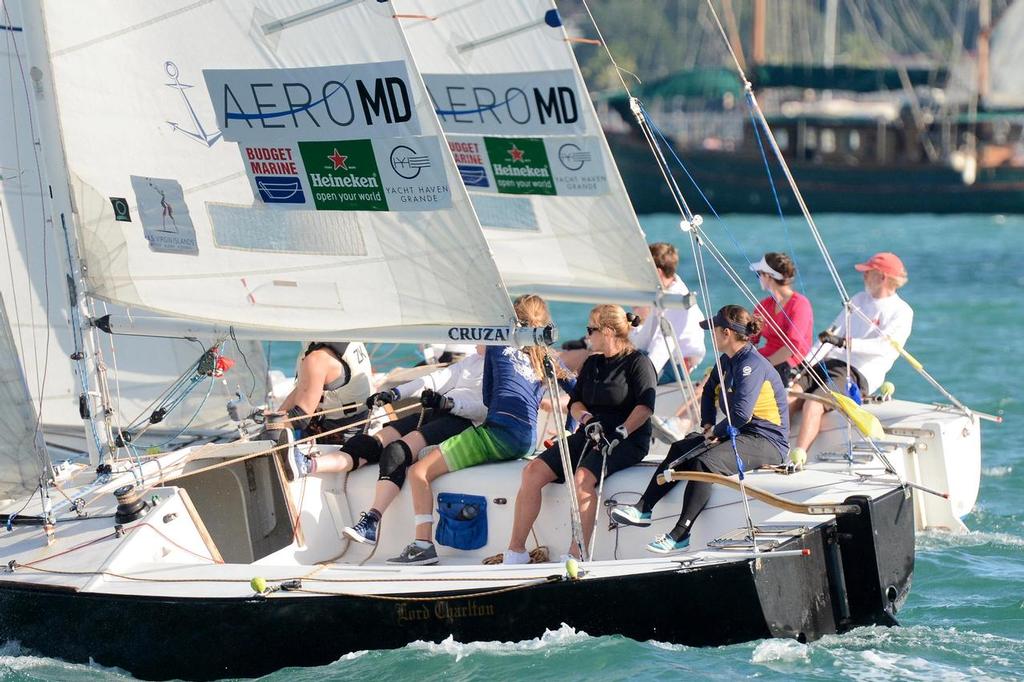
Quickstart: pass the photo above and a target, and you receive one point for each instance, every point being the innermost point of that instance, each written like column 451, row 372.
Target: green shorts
column 478, row 445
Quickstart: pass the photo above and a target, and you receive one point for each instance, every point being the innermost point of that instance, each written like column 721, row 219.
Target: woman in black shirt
column 614, row 393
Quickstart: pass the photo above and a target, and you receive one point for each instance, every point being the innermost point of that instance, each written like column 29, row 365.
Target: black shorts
column 833, row 375
column 626, row 454
column 435, row 428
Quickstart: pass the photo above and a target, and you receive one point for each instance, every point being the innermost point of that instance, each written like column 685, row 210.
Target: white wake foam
column 550, row 639
column 780, row 650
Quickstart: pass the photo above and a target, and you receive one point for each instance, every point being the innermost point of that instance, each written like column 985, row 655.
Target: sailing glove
column 594, row 431
column 830, row 337
column 438, row 402
column 382, row 398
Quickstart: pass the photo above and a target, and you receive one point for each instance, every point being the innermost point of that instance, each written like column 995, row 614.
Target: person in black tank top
column 614, row 396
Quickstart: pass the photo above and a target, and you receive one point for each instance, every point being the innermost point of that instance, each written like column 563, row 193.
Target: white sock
column 512, row 557
column 423, row 544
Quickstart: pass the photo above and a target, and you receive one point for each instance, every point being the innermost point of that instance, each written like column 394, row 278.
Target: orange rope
column 585, row 41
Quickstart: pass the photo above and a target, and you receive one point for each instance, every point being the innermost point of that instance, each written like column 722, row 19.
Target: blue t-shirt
column 512, row 393
column 757, row 398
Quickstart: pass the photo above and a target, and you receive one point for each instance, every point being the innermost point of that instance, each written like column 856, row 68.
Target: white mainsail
column 526, row 139
column 272, row 164
column 34, row 285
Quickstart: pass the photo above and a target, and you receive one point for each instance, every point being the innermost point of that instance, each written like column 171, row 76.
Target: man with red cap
column 877, row 315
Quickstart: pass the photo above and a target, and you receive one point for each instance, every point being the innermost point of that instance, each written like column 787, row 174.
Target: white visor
column 762, row 266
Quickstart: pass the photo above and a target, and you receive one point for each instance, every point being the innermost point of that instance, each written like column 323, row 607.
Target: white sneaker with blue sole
column 664, row 544
column 631, row 516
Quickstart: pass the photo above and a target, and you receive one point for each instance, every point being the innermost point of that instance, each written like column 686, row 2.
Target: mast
column 51, row 146
column 757, row 42
column 984, row 33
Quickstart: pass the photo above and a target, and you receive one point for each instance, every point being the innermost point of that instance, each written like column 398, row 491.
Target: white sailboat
column 207, row 562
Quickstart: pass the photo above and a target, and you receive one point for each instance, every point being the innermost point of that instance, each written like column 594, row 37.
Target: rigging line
column 775, row 196
column 829, row 264
column 705, row 289
column 241, row 352
column 618, row 69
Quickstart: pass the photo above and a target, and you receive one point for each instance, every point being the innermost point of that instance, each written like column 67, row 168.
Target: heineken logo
column 343, row 176
column 523, row 167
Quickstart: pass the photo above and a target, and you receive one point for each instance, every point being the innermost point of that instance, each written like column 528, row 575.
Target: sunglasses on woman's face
column 591, row 330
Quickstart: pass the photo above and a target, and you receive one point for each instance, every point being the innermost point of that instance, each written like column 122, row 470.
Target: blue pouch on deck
column 463, row 523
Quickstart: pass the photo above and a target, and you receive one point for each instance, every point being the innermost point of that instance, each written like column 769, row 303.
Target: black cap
column 720, row 320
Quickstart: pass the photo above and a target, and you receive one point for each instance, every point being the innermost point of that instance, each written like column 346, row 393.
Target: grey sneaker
column 631, row 516
column 365, row 530
column 414, row 555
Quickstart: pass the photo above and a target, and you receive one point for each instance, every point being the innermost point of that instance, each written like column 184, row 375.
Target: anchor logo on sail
column 198, row 133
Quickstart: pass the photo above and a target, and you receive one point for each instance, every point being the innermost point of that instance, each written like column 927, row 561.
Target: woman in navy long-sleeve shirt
column 756, row 401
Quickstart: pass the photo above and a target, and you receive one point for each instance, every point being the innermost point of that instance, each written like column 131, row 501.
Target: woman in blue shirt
column 756, row 403
column 512, row 390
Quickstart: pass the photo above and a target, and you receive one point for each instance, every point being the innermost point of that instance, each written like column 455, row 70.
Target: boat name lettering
column 478, row 334
column 442, row 610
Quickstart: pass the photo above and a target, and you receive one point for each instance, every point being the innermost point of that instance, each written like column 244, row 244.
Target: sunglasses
column 591, row 330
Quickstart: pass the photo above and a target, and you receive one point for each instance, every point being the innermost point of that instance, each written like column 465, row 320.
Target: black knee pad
column 395, row 459
column 300, row 424
column 363, row 447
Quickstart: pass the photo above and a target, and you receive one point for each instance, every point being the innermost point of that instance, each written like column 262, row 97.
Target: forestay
column 270, row 164
column 530, row 150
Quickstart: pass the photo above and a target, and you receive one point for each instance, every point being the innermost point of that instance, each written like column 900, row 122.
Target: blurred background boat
column 899, row 107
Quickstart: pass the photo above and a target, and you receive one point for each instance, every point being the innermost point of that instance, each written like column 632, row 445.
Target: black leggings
column 714, row 458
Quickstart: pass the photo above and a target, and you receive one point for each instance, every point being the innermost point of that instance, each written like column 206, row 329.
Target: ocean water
column 965, row 615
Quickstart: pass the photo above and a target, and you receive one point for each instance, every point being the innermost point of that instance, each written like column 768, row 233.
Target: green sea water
column 965, row 615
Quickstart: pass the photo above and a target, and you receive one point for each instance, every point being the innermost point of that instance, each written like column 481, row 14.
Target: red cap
column 886, row 263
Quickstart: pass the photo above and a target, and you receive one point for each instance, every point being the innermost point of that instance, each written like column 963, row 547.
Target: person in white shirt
column 866, row 343
column 689, row 337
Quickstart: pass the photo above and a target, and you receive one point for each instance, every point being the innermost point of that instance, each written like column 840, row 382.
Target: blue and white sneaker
column 293, row 462
column 365, row 530
column 631, row 516
column 664, row 544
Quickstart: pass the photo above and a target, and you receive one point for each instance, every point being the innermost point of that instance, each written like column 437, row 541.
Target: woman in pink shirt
column 791, row 312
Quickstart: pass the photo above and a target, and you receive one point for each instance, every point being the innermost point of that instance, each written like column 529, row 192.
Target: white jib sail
column 34, row 287
column 269, row 164
column 527, row 142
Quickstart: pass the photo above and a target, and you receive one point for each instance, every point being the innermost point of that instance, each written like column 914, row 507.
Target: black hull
column 736, row 182
column 803, row 598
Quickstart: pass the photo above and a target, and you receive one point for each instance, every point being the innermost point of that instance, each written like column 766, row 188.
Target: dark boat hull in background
column 738, row 183
column 858, row 573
